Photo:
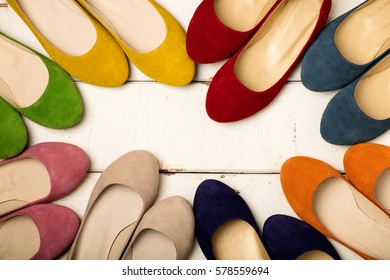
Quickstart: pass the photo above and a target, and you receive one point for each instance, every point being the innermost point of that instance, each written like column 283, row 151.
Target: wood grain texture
column 173, row 124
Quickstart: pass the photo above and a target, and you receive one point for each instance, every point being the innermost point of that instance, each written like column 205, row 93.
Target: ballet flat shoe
column 210, row 40
column 13, row 132
column 224, row 224
column 101, row 62
column 165, row 232
column 254, row 76
column 37, row 87
column 323, row 198
column 42, row 173
column 347, row 47
column 38, row 232
column 367, row 166
column 359, row 112
column 124, row 192
column 287, row 238
column 167, row 63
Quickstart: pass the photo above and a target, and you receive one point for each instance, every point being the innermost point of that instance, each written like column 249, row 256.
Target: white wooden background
column 172, row 123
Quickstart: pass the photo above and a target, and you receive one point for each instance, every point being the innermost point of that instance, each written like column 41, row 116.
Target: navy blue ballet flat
column 347, row 47
column 287, row 238
column 359, row 112
column 224, row 225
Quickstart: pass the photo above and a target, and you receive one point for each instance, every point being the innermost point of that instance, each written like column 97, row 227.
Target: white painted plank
column 173, row 124
column 262, row 193
column 12, row 25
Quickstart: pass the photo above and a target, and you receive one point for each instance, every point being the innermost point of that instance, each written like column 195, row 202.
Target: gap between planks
column 193, row 82
column 170, row 172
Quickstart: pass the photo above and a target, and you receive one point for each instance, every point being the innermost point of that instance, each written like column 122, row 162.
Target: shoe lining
column 151, row 245
column 23, row 75
column 315, row 255
column 242, row 15
column 19, row 238
column 22, row 181
column 365, row 33
column 352, row 218
column 237, row 240
column 62, row 23
column 109, row 224
column 382, row 190
column 137, row 23
column 277, row 45
column 372, row 93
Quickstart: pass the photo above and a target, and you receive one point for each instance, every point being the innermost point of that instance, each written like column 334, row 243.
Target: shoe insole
column 372, row 93
column 237, row 240
column 352, row 218
column 136, row 22
column 23, row 75
column 365, row 33
column 22, row 181
column 19, row 238
column 242, row 15
column 314, row 255
column 63, row 23
column 272, row 51
column 382, row 190
column 109, row 224
column 151, row 245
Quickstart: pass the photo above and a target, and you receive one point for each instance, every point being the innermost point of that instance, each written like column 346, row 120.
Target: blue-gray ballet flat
column 361, row 111
column 347, row 47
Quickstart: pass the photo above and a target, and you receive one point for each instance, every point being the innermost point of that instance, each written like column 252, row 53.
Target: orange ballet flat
column 367, row 166
column 323, row 198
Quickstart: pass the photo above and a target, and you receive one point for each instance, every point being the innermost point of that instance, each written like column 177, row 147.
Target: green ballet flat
column 13, row 132
column 37, row 87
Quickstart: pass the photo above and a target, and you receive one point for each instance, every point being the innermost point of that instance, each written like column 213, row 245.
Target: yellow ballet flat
column 75, row 40
column 151, row 38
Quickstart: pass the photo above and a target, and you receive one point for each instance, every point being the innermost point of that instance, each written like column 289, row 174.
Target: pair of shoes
column 120, row 221
column 152, row 39
column 226, row 230
column 352, row 212
column 94, row 42
column 280, row 32
column 37, row 88
column 353, row 53
column 30, row 229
